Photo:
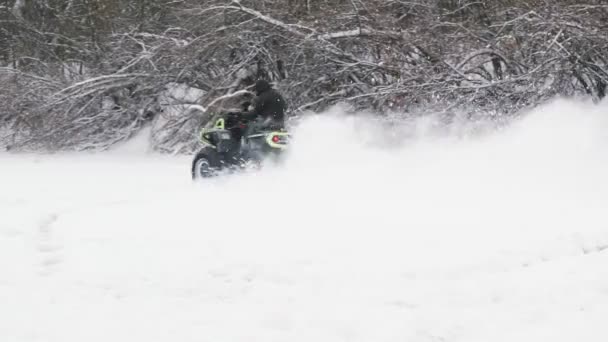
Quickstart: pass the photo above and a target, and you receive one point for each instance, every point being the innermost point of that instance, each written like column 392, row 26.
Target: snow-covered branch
column 76, row 75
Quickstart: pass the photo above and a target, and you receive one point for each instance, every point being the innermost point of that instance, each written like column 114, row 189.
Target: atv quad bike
column 227, row 146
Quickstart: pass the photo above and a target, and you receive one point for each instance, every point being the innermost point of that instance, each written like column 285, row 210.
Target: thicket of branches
column 80, row 74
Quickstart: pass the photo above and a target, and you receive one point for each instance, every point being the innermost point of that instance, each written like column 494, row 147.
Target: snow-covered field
column 498, row 237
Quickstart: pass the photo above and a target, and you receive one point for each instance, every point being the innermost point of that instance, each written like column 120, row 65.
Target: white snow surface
column 449, row 236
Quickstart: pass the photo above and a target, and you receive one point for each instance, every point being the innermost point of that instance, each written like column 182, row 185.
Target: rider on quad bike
column 268, row 112
column 234, row 139
column 268, row 108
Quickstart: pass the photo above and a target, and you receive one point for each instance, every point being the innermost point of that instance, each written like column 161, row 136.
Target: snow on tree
column 86, row 74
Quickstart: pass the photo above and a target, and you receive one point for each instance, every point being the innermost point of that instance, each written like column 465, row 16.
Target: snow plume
column 462, row 232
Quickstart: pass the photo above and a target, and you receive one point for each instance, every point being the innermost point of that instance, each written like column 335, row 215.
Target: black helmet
column 261, row 86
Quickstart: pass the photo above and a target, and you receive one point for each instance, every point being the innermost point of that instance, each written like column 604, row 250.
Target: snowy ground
column 502, row 237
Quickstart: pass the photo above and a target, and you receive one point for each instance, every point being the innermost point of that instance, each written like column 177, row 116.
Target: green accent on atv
column 219, row 124
column 204, row 134
column 203, row 137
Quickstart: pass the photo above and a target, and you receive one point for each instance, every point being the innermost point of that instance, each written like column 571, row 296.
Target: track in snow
column 497, row 237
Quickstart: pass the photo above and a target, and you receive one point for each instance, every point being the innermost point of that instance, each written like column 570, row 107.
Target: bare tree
column 86, row 74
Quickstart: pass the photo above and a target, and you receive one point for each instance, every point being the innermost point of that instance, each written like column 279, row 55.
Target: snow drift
column 461, row 232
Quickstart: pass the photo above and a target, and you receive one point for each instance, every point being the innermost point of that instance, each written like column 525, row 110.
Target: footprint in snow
column 47, row 246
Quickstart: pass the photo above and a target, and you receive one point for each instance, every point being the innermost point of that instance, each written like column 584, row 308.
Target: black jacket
column 269, row 104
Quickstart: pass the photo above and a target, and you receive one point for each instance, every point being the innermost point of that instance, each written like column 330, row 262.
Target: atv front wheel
column 204, row 165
